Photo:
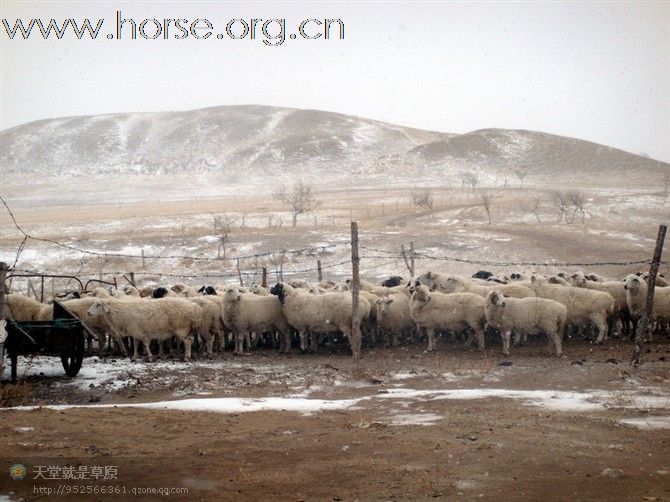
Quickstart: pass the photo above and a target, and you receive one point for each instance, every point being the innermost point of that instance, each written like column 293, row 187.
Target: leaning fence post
column 645, row 323
column 355, row 286
column 3, row 323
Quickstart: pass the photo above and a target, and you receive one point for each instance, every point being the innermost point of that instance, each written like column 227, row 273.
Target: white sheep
column 131, row 291
column 614, row 288
column 585, row 306
column 184, row 291
column 525, row 316
column 452, row 284
column 244, row 314
column 259, row 290
column 318, row 314
column 661, row 281
column 636, row 296
column 393, row 316
column 211, row 325
column 146, row 320
column 220, row 335
column 98, row 326
column 22, row 308
column 379, row 291
column 434, row 311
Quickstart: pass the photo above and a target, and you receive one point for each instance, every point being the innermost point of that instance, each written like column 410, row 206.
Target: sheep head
column 180, row 289
column 280, row 290
column 233, row 294
column 634, row 283
column 384, row 303
column 421, row 294
column 578, row 279
column 159, row 292
column 496, row 298
column 98, row 308
column 207, row 290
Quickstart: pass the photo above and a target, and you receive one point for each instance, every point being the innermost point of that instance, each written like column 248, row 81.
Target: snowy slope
column 244, row 142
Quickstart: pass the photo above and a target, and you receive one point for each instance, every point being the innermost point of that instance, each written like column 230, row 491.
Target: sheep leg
column 285, row 342
column 239, row 344
column 209, row 343
column 160, row 349
column 313, row 342
column 431, row 338
column 519, row 339
column 557, row 342
column 247, row 341
column 506, row 339
column 601, row 324
column 186, row 338
column 136, row 351
column 480, row 339
column 101, row 343
column 147, row 347
column 303, row 339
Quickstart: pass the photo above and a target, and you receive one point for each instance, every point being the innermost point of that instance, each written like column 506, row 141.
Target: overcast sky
column 595, row 71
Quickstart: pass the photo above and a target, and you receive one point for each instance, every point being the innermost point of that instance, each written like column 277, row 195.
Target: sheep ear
column 428, row 275
column 533, row 278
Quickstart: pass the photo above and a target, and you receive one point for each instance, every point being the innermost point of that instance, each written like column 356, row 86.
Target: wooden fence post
column 3, row 278
column 3, row 326
column 143, row 262
column 355, row 287
column 319, row 273
column 645, row 323
column 239, row 272
column 264, row 282
column 41, row 289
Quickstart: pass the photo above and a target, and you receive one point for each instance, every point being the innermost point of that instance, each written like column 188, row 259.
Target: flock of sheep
column 396, row 310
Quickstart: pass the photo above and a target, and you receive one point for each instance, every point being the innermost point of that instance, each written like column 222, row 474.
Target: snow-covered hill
column 244, row 143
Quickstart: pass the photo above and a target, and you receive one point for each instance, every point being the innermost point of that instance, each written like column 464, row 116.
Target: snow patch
column 648, row 423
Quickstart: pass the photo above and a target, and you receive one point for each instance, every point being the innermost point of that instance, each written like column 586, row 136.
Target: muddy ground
column 400, row 439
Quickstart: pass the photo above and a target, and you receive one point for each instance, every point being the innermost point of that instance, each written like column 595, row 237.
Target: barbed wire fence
column 250, row 267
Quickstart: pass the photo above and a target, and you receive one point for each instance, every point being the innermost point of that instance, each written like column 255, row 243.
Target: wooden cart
column 62, row 337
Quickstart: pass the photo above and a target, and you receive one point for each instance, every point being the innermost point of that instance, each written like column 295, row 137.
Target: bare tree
column 423, row 199
column 300, row 199
column 561, row 202
column 578, row 202
column 224, row 225
column 533, row 208
column 521, row 174
column 487, row 201
column 469, row 178
column 277, row 261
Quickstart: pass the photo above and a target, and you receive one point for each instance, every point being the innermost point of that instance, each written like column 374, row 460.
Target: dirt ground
column 383, row 448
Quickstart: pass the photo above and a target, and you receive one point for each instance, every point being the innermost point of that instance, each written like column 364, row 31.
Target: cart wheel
column 72, row 360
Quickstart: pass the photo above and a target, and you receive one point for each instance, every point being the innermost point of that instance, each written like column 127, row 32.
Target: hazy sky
column 596, row 71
